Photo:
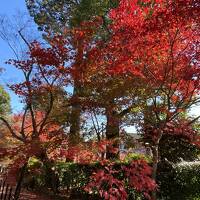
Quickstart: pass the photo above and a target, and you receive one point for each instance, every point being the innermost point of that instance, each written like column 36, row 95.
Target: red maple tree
column 157, row 41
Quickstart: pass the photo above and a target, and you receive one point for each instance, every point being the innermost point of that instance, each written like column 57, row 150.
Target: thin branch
column 94, row 125
column 3, row 37
column 11, row 130
column 48, row 112
column 194, row 120
column 24, row 39
column 23, row 123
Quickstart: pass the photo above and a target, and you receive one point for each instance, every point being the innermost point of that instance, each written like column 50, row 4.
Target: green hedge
column 73, row 177
column 175, row 148
column 180, row 181
column 176, row 182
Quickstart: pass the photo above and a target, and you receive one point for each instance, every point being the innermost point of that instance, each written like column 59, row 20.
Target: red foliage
column 107, row 182
column 86, row 153
column 139, row 174
column 154, row 41
column 180, row 128
column 157, row 43
column 108, row 187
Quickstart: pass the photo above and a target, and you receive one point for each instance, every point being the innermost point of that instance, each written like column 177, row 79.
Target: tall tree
column 56, row 17
column 159, row 42
column 116, row 96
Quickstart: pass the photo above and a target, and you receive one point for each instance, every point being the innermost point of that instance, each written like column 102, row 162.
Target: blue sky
column 9, row 8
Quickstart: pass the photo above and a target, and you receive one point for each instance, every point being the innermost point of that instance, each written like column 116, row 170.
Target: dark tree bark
column 112, row 130
column 75, row 118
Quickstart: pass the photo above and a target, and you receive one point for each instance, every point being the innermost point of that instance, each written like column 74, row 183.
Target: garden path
column 27, row 195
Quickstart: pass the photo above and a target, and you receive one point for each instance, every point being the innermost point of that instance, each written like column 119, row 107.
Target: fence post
column 10, row 194
column 19, row 183
column 6, row 191
column 2, row 192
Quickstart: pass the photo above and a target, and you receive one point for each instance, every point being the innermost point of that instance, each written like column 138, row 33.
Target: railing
column 8, row 192
column 2, row 170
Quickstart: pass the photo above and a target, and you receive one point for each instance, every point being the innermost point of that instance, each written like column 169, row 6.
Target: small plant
column 136, row 156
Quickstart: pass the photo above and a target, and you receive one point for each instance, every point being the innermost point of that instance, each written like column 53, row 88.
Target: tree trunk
column 75, row 118
column 51, row 178
column 155, row 166
column 112, row 131
column 155, row 161
column 19, row 182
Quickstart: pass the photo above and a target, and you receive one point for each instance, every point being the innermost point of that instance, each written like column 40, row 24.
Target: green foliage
column 73, row 177
column 34, row 162
column 175, row 148
column 136, row 156
column 57, row 15
column 35, row 174
column 89, row 8
column 181, row 181
column 40, row 175
column 4, row 102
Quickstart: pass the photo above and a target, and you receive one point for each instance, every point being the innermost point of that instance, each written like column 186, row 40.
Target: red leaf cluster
column 110, row 187
column 139, row 174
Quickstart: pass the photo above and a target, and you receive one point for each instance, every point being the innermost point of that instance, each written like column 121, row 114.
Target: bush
column 180, row 181
column 136, row 156
column 40, row 175
column 74, row 177
column 175, row 148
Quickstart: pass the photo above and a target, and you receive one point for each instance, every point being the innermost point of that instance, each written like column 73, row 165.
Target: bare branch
column 24, row 39
column 11, row 130
column 23, row 123
column 194, row 120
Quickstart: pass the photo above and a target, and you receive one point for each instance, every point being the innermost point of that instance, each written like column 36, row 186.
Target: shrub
column 73, row 176
column 130, row 179
column 175, row 148
column 136, row 156
column 180, row 181
column 93, row 181
column 40, row 175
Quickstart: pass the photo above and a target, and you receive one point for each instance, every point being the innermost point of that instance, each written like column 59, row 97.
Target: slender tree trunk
column 112, row 131
column 154, row 168
column 155, row 161
column 155, row 152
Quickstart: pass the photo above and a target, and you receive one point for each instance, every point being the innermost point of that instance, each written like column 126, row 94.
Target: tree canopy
column 145, row 73
column 57, row 15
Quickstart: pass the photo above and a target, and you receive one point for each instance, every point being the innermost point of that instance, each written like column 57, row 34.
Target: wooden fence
column 7, row 192
column 2, row 170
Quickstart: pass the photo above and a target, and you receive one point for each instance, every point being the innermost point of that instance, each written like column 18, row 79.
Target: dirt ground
column 27, row 195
